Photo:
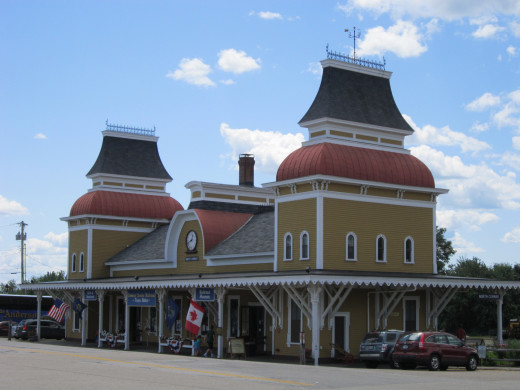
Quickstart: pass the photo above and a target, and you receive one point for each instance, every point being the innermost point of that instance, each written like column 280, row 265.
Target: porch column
column 315, row 292
column 220, row 292
column 39, row 295
column 84, row 321
column 500, row 301
column 161, row 294
column 127, row 321
column 101, row 297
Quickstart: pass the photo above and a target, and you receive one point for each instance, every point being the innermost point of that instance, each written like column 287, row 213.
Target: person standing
column 209, row 340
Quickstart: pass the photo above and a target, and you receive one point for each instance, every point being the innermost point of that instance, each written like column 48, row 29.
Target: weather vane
column 353, row 35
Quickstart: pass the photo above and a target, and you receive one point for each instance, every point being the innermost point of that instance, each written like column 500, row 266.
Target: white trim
column 73, row 327
column 82, row 262
column 73, row 261
column 355, row 246
column 343, row 180
column 434, row 265
column 412, row 254
column 356, row 68
column 240, row 259
column 173, row 234
column 285, row 258
column 122, row 134
column 275, row 265
column 150, row 320
column 384, row 249
column 319, row 231
column 346, row 336
column 90, row 246
column 111, row 217
column 302, row 234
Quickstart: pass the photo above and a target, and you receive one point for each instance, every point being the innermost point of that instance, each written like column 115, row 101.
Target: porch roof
column 269, row 278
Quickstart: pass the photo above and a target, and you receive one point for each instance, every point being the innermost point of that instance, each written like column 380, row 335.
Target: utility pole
column 22, row 236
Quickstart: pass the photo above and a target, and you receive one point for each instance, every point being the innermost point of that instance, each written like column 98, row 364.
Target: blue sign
column 90, row 295
column 141, row 298
column 18, row 315
column 205, row 294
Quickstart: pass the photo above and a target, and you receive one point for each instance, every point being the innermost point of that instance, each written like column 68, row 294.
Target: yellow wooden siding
column 285, row 191
column 107, row 243
column 134, row 185
column 195, row 194
column 78, row 243
column 219, row 196
column 113, row 183
column 347, row 188
column 391, row 141
column 341, row 134
column 366, row 137
column 417, row 196
column 154, row 188
column 252, row 199
column 318, row 133
column 305, row 187
column 367, row 221
column 296, row 217
column 381, row 192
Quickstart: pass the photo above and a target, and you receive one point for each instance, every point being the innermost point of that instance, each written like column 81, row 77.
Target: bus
column 19, row 307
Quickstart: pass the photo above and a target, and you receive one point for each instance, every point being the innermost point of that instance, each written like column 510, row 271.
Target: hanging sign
column 205, row 294
column 90, row 295
column 489, row 296
column 141, row 298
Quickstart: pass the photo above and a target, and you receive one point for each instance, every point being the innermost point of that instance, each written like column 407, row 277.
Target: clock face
column 191, row 240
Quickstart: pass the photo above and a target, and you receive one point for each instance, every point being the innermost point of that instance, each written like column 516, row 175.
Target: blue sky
column 218, row 79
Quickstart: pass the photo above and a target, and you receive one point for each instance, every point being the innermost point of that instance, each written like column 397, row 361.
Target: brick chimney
column 246, row 170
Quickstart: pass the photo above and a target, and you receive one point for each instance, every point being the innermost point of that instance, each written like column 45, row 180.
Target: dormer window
column 351, row 247
column 304, row 246
column 73, row 263
column 409, row 250
column 287, row 254
column 381, row 249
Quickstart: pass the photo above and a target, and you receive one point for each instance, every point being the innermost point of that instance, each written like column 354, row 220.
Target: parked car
column 49, row 329
column 4, row 328
column 378, row 347
column 435, row 350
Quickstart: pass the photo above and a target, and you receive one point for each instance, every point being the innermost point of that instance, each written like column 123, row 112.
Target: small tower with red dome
column 352, row 198
column 127, row 201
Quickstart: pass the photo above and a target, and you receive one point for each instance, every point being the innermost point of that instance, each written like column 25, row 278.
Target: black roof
column 356, row 97
column 129, row 157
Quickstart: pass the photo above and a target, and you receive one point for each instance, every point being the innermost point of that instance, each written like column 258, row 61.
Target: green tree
column 10, row 288
column 49, row 277
column 444, row 250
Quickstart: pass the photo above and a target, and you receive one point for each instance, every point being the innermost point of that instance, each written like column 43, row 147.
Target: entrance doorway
column 253, row 329
column 340, row 332
column 411, row 313
column 135, row 325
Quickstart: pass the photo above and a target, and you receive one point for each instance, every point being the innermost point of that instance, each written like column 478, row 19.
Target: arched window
column 287, row 253
column 304, row 246
column 381, row 248
column 408, row 250
column 81, row 262
column 351, row 245
column 73, row 263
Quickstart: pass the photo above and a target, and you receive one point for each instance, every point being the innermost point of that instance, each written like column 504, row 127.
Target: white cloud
column 231, row 60
column 513, row 236
column 193, row 71
column 515, row 28
column 516, row 143
column 227, row 82
column 270, row 148
column 510, row 159
column 315, row 68
column 484, row 102
column 444, row 136
column 269, row 15
column 403, row 39
column 466, row 218
column 479, row 127
column 444, row 9
column 462, row 246
column 487, row 31
column 471, row 186
column 40, row 136
column 11, row 207
column 512, row 51
column 58, row 239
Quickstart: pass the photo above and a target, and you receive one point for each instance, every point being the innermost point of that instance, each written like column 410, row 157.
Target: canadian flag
column 194, row 317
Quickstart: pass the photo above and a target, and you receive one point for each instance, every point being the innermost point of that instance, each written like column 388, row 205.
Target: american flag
column 58, row 310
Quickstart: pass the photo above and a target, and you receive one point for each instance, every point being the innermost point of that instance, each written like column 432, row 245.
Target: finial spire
column 353, row 35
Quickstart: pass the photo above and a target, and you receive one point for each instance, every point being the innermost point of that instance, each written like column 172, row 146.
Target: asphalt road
column 60, row 365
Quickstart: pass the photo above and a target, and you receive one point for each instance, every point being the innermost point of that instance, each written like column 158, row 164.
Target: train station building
column 341, row 242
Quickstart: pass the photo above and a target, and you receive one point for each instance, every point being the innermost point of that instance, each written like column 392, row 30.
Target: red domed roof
column 355, row 163
column 122, row 204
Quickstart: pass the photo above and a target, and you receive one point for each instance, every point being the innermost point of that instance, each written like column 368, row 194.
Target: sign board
column 205, row 294
column 481, row 350
column 141, row 298
column 489, row 296
column 237, row 346
column 90, row 295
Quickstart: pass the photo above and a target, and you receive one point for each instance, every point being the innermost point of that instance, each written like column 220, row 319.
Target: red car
column 435, row 350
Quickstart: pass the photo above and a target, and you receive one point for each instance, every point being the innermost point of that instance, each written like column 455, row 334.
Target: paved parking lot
column 62, row 365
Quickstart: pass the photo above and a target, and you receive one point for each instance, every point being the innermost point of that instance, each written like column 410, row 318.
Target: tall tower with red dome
column 127, row 201
column 352, row 198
